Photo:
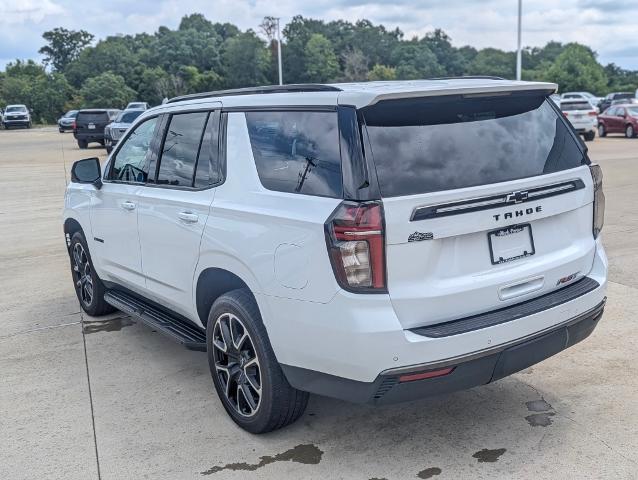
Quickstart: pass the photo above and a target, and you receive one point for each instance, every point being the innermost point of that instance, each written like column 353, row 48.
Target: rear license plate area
column 511, row 243
column 91, row 126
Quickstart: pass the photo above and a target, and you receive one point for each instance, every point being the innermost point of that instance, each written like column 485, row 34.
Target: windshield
column 128, row 117
column 633, row 111
column 429, row 145
column 568, row 106
column 16, row 109
column 71, row 114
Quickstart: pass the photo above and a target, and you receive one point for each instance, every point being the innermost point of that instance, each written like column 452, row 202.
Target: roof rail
column 468, row 77
column 296, row 87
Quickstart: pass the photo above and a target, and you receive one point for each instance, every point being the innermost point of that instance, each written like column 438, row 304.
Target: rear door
column 174, row 207
column 487, row 202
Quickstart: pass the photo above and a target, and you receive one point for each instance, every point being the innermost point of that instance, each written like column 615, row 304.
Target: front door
column 114, row 209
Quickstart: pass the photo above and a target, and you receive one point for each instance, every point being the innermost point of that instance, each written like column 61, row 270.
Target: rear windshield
column 89, row 117
column 128, row 117
column 429, row 145
column 633, row 111
column 620, row 96
column 568, row 106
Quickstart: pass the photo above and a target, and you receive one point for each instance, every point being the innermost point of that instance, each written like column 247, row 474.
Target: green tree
column 576, row 69
column 106, row 90
column 382, row 72
column 245, row 60
column 63, row 46
column 440, row 44
column 414, row 60
column 492, row 61
column 321, row 61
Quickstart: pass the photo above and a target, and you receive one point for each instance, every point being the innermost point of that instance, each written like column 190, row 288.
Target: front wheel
column 629, row 131
column 88, row 286
column 589, row 136
column 82, row 144
column 248, row 379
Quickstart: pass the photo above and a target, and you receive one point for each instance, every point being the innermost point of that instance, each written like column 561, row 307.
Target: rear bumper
column 360, row 338
column 89, row 137
column 475, row 369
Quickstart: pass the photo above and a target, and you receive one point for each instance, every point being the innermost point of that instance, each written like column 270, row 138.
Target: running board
column 185, row 332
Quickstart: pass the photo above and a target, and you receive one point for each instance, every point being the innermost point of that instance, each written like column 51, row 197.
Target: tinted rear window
column 92, row 117
column 429, row 145
column 128, row 117
column 568, row 106
column 297, row 152
column 620, row 96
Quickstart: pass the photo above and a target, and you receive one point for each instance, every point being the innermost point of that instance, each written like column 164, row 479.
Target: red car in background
column 619, row 119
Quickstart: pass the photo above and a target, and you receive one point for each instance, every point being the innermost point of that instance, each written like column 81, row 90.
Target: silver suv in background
column 16, row 116
column 582, row 115
column 114, row 130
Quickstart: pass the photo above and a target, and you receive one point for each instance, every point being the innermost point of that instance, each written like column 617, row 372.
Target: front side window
column 131, row 161
column 297, row 152
column 181, row 147
column 430, row 145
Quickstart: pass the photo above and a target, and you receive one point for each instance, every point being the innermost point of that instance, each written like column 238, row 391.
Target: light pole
column 519, row 53
column 281, row 81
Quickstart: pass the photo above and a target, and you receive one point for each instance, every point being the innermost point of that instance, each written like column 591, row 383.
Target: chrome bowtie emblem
column 516, row 197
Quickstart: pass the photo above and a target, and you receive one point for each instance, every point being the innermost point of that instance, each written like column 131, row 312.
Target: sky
column 610, row 27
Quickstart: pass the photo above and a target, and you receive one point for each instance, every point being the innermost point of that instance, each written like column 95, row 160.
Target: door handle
column 188, row 217
column 128, row 205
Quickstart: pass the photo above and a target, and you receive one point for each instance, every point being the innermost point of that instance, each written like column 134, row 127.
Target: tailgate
column 459, row 264
column 488, row 202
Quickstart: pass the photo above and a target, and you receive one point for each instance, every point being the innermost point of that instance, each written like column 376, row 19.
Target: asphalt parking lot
column 91, row 398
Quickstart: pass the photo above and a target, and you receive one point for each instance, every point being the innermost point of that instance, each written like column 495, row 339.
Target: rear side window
column 92, row 117
column 297, row 152
column 429, row 145
column 569, row 106
column 181, row 146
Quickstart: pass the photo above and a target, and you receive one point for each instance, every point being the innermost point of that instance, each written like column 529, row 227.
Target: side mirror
column 87, row 171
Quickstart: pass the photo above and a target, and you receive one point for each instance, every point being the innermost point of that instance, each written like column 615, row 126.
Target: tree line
column 201, row 55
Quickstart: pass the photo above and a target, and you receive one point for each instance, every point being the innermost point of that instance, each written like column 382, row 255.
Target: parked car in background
column 90, row 123
column 607, row 101
column 582, row 115
column 114, row 130
column 591, row 98
column 376, row 242
column 16, row 116
column 137, row 106
column 623, row 101
column 619, row 119
column 65, row 122
column 555, row 97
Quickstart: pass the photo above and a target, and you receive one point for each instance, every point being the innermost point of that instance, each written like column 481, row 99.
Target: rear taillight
column 564, row 114
column 599, row 198
column 74, row 125
column 592, row 114
column 356, row 243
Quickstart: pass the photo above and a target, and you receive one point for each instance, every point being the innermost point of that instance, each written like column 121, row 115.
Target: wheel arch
column 71, row 226
column 212, row 283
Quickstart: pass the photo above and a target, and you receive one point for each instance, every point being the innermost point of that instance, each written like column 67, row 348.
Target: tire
column 253, row 364
column 61, row 130
column 630, row 132
column 88, row 286
column 82, row 144
column 589, row 136
column 109, row 149
column 602, row 131
column 29, row 125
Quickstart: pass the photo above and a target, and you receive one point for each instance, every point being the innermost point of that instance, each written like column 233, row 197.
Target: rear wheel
column 629, row 131
column 82, row 144
column 602, row 131
column 589, row 136
column 245, row 371
column 88, row 286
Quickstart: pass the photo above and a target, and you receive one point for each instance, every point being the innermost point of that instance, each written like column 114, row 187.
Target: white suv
column 374, row 242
